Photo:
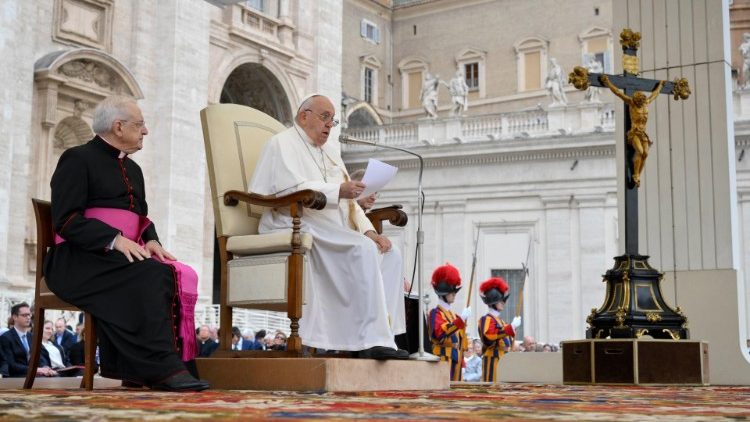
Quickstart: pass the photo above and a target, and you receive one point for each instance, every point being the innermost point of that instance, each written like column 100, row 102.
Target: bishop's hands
column 155, row 248
column 383, row 243
column 351, row 189
column 133, row 250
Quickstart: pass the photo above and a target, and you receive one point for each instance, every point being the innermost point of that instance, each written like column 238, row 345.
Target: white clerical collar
column 494, row 312
column 445, row 305
column 122, row 155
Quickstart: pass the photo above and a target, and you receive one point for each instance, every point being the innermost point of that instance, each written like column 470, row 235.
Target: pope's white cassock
column 353, row 293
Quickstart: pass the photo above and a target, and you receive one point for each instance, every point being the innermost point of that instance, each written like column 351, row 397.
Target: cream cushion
column 255, row 244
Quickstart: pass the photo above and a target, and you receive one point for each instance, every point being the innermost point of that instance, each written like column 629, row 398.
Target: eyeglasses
column 325, row 118
column 25, row 315
column 138, row 125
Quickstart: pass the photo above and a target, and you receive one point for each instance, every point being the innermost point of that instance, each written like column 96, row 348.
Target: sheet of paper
column 377, row 175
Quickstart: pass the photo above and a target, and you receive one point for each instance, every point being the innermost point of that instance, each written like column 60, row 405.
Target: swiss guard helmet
column 446, row 279
column 494, row 290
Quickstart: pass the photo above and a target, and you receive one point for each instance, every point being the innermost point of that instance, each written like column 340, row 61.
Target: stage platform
column 323, row 374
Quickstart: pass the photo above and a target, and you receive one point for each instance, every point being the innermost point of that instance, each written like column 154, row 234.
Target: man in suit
column 239, row 343
column 15, row 344
column 63, row 337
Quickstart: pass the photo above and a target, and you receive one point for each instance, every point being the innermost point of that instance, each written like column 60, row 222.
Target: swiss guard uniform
column 496, row 335
column 447, row 330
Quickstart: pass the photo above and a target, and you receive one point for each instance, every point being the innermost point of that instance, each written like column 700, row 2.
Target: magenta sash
column 132, row 226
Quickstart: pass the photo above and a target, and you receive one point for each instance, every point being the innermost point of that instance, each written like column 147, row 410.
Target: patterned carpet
column 465, row 402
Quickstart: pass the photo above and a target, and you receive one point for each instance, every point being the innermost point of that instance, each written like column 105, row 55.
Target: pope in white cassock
column 350, row 271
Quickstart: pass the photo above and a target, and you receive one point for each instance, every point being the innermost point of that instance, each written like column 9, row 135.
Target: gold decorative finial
column 630, row 39
column 681, row 89
column 579, row 77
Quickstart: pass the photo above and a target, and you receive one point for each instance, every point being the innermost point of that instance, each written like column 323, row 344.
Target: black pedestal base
column 634, row 305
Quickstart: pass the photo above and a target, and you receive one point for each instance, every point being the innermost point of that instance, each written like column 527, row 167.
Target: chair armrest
column 308, row 198
column 393, row 214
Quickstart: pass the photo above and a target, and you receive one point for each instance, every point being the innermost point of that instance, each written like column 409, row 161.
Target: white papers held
column 377, row 175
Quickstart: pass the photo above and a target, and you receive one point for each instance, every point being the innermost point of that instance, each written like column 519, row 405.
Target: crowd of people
column 62, row 348
column 208, row 340
column 62, row 352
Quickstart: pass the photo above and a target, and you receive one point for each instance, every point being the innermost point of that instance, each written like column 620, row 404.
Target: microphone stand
column 420, row 354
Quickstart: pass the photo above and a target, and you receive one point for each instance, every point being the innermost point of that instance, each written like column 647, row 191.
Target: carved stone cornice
column 477, row 154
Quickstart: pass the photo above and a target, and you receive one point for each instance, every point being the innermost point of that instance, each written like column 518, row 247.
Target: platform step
column 323, row 374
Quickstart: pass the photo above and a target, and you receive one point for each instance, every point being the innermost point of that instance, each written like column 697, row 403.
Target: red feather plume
column 494, row 283
column 446, row 272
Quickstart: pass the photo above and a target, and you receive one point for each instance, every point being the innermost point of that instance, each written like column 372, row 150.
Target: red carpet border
column 463, row 402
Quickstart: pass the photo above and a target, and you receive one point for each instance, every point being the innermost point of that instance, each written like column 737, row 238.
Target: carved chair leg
column 89, row 352
column 36, row 349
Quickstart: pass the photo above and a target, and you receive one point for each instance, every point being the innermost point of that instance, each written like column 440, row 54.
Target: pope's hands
column 383, row 243
column 466, row 313
column 351, row 189
column 516, row 322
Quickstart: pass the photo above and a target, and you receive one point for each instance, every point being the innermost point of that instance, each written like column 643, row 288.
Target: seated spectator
column 248, row 335
column 473, row 372
column 268, row 341
column 260, row 343
column 529, row 344
column 8, row 325
column 53, row 355
column 77, row 354
column 547, row 348
column 239, row 343
column 15, row 344
column 63, row 337
column 214, row 333
column 279, row 341
column 206, row 345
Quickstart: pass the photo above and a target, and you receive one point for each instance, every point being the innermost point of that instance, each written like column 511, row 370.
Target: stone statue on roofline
column 555, row 84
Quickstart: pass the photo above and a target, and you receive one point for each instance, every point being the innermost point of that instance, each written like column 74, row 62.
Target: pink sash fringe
column 132, row 226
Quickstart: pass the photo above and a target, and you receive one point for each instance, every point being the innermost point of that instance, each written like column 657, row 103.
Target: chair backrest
column 234, row 136
column 45, row 238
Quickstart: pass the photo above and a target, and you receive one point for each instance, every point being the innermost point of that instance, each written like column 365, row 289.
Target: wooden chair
column 258, row 271
column 45, row 299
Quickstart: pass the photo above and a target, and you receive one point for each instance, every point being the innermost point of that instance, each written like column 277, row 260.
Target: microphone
column 345, row 139
column 420, row 354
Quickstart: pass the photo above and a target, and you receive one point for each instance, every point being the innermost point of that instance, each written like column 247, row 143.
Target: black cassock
column 135, row 304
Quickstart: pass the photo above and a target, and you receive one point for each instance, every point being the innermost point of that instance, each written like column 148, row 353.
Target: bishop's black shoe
column 182, row 381
column 383, row 353
column 132, row 384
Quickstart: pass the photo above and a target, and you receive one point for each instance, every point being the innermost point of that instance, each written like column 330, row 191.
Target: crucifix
column 634, row 305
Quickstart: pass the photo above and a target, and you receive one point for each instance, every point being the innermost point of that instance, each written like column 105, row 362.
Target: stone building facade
column 534, row 183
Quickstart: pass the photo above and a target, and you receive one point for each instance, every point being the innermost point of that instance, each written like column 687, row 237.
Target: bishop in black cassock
column 132, row 295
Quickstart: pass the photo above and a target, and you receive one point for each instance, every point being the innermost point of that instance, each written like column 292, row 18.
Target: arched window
column 531, row 63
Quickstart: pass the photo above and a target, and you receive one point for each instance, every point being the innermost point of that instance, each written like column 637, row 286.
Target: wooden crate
column 635, row 361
